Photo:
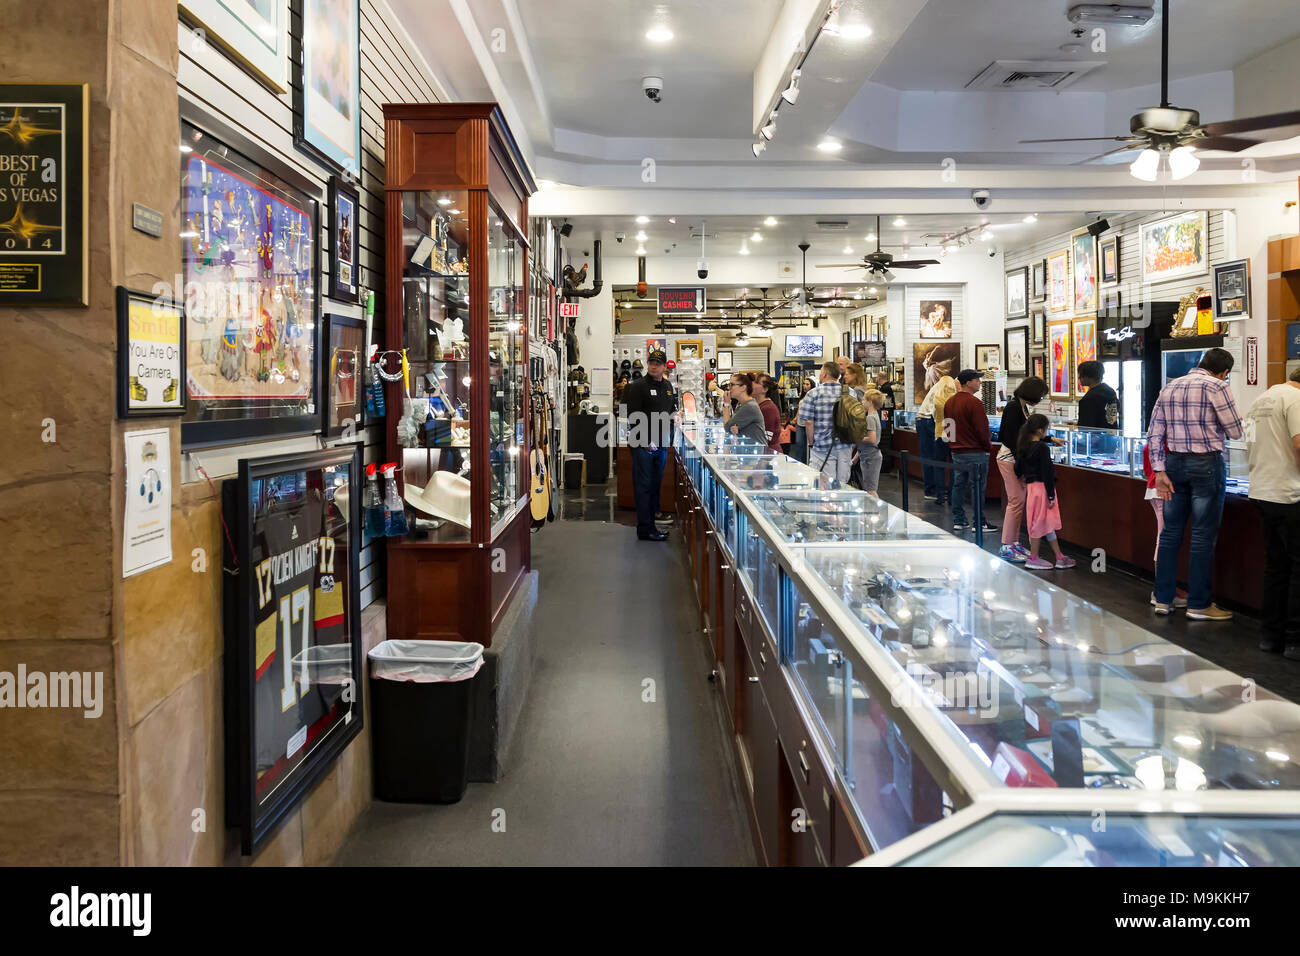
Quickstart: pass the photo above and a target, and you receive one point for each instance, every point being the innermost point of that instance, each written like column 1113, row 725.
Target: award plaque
column 44, row 162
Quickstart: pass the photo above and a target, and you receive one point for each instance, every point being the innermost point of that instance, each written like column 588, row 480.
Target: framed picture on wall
column 343, row 221
column 845, row 344
column 150, row 354
column 1017, row 350
column 725, row 359
column 930, row 362
column 1174, row 247
column 1111, row 299
column 343, row 391
column 936, row 318
column 1232, row 289
column 1058, row 281
column 690, row 349
column 327, row 105
column 1038, row 280
column 1017, row 293
column 1038, row 366
column 988, row 358
column 1038, row 327
column 254, row 32
column 1060, row 378
column 1084, row 343
column 1083, row 258
column 1108, row 254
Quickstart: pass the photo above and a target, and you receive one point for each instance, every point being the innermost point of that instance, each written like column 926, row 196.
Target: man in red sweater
column 966, row 428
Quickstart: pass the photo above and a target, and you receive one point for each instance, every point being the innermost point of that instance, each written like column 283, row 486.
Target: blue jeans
column 974, row 472
column 930, row 475
column 1199, row 484
column 647, row 475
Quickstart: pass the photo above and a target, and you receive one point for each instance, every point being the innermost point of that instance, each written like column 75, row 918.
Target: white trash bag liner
column 425, row 662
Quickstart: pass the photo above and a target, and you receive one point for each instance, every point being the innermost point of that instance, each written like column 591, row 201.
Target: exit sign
column 569, row 310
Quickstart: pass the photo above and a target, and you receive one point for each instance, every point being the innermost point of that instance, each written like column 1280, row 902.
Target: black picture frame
column 1109, row 302
column 1232, row 289
column 1021, row 277
column 1038, row 326
column 125, row 409
column 344, row 245
column 243, row 590
column 1104, row 277
column 1038, row 280
column 337, row 328
column 314, row 135
column 208, row 422
column 1022, row 333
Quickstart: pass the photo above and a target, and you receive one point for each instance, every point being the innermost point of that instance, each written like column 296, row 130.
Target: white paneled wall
column 912, row 297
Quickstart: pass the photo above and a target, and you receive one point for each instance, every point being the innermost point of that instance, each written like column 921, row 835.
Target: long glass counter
column 966, row 704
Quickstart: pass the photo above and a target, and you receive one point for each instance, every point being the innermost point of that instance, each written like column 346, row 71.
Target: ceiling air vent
column 833, row 225
column 1031, row 75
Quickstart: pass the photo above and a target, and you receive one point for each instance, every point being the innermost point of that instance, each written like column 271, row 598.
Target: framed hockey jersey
column 293, row 630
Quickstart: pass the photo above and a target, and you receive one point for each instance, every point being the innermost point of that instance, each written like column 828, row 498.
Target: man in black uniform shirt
column 650, row 402
column 1099, row 408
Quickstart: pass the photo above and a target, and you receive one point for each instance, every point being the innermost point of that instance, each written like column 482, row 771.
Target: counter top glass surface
column 801, row 517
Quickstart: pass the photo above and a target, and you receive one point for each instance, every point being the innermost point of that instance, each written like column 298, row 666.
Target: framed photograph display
column 1058, row 281
column 150, row 354
column 931, row 362
column 725, row 360
column 936, row 318
column 293, row 676
column 343, row 390
column 254, row 32
column 1108, row 257
column 873, row 353
column 1173, row 247
column 1083, row 259
column 690, row 349
column 1084, row 341
column 1232, row 290
column 988, row 358
column 251, row 270
column 343, row 226
column 1060, row 378
column 327, row 106
column 1038, row 327
column 44, row 179
column 1017, row 350
column 1017, row 293
column 1039, row 280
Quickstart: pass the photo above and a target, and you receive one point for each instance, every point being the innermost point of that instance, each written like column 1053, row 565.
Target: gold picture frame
column 1185, row 317
column 690, row 349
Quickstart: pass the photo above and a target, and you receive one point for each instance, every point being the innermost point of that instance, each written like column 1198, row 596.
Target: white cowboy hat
column 445, row 496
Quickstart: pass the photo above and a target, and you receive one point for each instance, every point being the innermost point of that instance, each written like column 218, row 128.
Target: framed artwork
column 846, row 343
column 1017, row 350
column 1059, row 370
column 936, row 318
column 1108, row 253
column 988, row 358
column 803, row 346
column 873, row 353
column 1173, row 247
column 1038, row 366
column 725, row 359
column 1232, row 290
column 652, row 344
column 1039, row 280
column 344, row 208
column 1084, row 340
column 1038, row 327
column 690, row 348
column 860, row 351
column 1110, row 302
column 1083, row 256
column 1017, row 293
column 343, row 390
column 293, row 677
column 1058, row 281
column 251, row 269
column 327, row 106
column 254, row 32
column 44, row 172
column 150, row 354
column 931, row 362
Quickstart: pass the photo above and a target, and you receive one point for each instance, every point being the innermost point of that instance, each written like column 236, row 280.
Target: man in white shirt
column 1273, row 442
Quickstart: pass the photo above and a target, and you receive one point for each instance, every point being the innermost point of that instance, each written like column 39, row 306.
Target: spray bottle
column 394, row 511
column 372, row 504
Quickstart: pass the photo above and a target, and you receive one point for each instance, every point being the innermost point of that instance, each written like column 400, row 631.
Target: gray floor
column 601, row 777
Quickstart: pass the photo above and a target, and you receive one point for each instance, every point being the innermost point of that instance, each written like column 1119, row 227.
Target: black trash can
column 420, row 709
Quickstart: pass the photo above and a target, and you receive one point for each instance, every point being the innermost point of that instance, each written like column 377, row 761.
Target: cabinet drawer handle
column 803, row 765
column 762, row 659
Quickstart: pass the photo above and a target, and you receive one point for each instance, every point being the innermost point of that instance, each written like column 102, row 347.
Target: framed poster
column 1060, row 380
column 1038, row 327
column 1039, row 280
column 1084, row 340
column 931, row 362
column 343, row 390
column 251, row 270
column 803, row 346
column 1058, row 281
column 690, row 349
column 1017, row 293
column 293, row 677
column 254, row 32
column 1038, row 366
column 1083, row 256
column 936, row 318
column 873, row 353
column 343, row 225
column 44, row 188
column 725, row 360
column 652, row 344
column 150, row 354
column 1017, row 350
column 1232, row 290
column 327, row 106
column 1173, row 247
column 1108, row 253
column 988, row 358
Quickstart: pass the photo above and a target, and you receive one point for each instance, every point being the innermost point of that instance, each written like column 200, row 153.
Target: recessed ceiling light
column 848, row 250
column 900, row 221
column 829, row 145
column 186, row 148
column 770, row 221
column 640, row 250
column 1030, row 218
column 659, row 34
column 870, row 237
column 756, row 237
column 854, row 31
column 444, row 201
column 673, row 220
column 642, row 220
column 987, row 235
column 641, row 236
column 744, row 250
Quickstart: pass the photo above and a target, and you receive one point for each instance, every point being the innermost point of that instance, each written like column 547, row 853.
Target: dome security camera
column 981, row 198
column 992, row 252
column 702, row 269
column 619, row 237
column 653, row 87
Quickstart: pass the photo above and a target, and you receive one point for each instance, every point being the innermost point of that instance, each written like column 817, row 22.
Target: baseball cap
column 967, row 375
column 657, row 355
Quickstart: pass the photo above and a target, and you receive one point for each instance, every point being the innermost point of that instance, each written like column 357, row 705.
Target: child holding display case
column 1034, row 467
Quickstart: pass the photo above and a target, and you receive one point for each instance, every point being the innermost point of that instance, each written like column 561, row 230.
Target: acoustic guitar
column 539, row 483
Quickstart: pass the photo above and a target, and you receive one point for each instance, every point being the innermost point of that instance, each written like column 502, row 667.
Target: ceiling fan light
column 1147, row 166
column 889, row 276
column 1183, row 161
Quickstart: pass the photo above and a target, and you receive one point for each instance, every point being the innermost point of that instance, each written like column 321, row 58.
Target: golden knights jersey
column 299, row 585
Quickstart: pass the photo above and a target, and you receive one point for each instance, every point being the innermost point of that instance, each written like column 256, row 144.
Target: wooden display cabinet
column 456, row 301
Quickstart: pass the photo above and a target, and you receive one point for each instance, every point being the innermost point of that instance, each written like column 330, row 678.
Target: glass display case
column 1101, row 448
column 905, row 418
column 800, row 517
column 1238, row 482
column 455, row 364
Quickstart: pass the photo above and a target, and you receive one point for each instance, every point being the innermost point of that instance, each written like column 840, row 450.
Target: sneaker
column 1021, row 550
column 988, row 526
column 664, row 517
column 1064, row 563
column 930, row 497
column 1038, row 564
column 1211, row 613
column 1180, row 599
column 1161, row 608
column 959, row 527
column 1008, row 552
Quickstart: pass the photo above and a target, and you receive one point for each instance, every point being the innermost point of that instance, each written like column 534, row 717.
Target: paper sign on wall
column 147, row 520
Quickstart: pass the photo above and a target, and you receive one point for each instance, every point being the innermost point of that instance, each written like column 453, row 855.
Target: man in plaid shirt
column 817, row 414
column 1192, row 417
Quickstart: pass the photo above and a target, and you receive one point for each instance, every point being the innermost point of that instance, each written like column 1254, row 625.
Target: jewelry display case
column 456, row 303
column 1101, row 448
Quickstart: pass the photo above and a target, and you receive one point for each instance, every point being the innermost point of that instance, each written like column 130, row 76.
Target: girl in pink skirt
column 1034, row 467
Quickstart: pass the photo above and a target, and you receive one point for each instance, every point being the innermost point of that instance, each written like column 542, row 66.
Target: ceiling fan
column 806, row 294
column 1169, row 131
column 880, row 263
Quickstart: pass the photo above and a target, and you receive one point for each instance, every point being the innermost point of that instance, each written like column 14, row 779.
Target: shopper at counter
column 929, row 438
column 971, row 448
column 1193, row 416
column 1035, row 468
column 1027, row 395
column 1274, row 424
column 765, row 387
column 817, row 416
column 746, row 418
column 1099, row 407
column 651, row 403
column 868, row 450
